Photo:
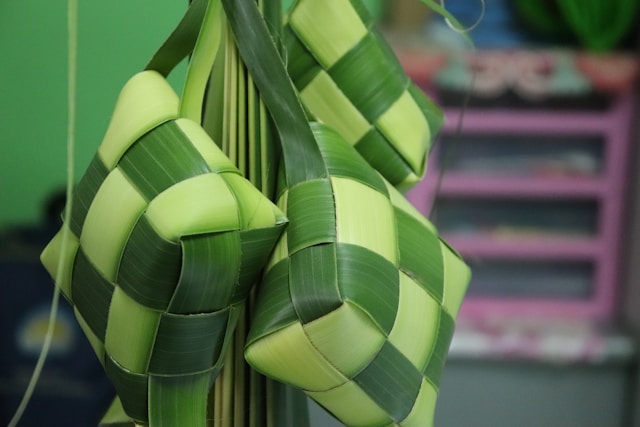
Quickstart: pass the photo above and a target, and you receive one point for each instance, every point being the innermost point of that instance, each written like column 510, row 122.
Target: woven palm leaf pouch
column 358, row 301
column 165, row 239
column 359, row 310
column 349, row 78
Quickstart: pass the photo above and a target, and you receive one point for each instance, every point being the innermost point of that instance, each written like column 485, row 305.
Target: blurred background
column 537, row 187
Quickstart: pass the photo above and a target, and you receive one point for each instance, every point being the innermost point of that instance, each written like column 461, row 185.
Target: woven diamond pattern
column 165, row 236
column 369, row 305
column 350, row 79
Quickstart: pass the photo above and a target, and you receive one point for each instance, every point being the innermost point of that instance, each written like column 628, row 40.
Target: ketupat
column 358, row 310
column 356, row 272
column 350, row 79
column 166, row 239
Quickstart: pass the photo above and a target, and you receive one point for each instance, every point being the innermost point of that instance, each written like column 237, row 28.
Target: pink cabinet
column 534, row 199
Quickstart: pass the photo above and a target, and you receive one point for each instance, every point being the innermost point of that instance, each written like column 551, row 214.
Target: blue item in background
column 73, row 390
column 499, row 27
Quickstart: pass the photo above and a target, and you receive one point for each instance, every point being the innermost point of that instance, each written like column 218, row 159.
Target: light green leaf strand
column 452, row 21
column 72, row 49
column 201, row 62
column 178, row 400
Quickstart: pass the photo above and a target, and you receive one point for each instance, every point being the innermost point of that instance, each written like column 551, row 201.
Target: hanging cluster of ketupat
column 264, row 200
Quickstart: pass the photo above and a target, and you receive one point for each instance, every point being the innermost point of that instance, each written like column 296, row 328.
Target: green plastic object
column 599, row 25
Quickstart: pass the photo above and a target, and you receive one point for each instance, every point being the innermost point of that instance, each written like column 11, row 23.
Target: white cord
column 472, row 27
column 72, row 46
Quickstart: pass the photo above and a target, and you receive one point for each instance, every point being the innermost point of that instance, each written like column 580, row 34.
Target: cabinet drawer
column 540, row 279
column 537, row 156
column 507, row 218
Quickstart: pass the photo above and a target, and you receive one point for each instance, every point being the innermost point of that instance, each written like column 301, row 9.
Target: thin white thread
column 468, row 29
column 447, row 154
column 72, row 49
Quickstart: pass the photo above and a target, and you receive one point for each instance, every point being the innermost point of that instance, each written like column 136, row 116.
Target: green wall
column 33, row 87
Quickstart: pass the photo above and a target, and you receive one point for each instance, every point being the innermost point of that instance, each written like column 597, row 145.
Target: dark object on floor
column 73, row 390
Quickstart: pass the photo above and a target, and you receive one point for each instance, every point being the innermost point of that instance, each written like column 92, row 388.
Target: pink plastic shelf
column 531, row 122
column 517, row 247
column 481, row 308
column 520, row 186
column 557, row 339
column 607, row 189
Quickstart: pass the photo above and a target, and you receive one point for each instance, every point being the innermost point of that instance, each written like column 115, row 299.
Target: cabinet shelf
column 531, row 307
column 530, row 192
column 468, row 185
column 538, row 248
column 531, row 122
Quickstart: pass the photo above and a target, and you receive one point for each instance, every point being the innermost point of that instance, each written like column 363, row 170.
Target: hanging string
column 451, row 20
column 455, row 26
column 447, row 155
column 72, row 50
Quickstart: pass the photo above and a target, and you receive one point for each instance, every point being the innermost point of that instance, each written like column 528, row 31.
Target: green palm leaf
column 167, row 238
column 167, row 234
column 350, row 79
column 344, row 275
column 362, row 319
